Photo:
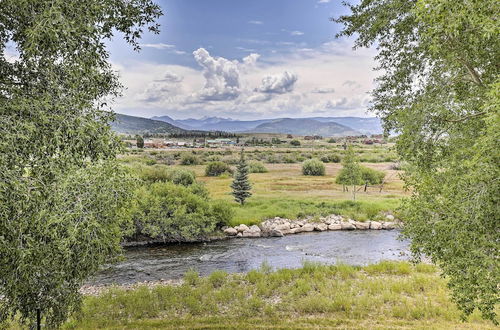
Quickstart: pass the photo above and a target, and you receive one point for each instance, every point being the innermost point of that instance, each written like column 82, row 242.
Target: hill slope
column 361, row 125
column 304, row 127
column 138, row 125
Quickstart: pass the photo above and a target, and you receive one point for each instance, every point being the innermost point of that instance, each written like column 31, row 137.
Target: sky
column 244, row 60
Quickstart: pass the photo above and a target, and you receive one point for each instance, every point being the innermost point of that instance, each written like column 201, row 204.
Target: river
column 244, row 254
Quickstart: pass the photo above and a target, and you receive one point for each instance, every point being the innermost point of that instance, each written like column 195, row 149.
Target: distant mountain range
column 138, row 125
column 304, row 127
column 300, row 126
column 324, row 126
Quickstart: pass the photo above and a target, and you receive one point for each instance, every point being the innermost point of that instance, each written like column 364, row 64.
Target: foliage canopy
column 59, row 188
column 440, row 91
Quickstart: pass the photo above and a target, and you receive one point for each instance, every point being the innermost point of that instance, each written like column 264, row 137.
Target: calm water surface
column 244, row 254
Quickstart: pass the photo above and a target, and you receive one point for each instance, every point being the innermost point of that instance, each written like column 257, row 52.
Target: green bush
column 295, row 143
column 256, row 167
column 174, row 213
column 330, row 158
column 217, row 168
column 189, row 159
column 161, row 173
column 313, row 167
column 371, row 176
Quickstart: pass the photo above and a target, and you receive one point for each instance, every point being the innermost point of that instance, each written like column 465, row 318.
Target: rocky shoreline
column 278, row 227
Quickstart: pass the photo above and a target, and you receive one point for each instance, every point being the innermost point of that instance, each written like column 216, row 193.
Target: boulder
column 389, row 217
column 347, row 226
column 335, row 226
column 241, row 228
column 307, row 227
column 320, row 227
column 275, row 233
column 362, row 225
column 239, row 235
column 375, row 225
column 388, row 225
column 230, row 231
column 249, row 233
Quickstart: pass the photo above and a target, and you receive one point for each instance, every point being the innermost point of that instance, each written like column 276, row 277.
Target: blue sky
column 244, row 59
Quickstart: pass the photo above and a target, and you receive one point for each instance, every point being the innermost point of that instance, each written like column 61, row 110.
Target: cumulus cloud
column 170, row 77
column 278, row 84
column 163, row 90
column 250, row 61
column 323, row 90
column 222, row 77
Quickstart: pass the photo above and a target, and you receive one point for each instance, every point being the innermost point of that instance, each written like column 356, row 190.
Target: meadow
column 283, row 190
column 379, row 296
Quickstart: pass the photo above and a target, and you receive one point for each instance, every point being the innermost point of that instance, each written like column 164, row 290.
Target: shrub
column 189, row 159
column 371, row 176
column 173, row 212
column 217, row 168
column 160, row 173
column 256, row 167
column 295, row 143
column 182, row 177
column 330, row 158
column 313, row 167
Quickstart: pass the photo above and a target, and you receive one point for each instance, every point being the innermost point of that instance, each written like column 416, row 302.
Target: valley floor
column 388, row 295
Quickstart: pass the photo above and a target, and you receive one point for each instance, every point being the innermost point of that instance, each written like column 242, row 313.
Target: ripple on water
column 241, row 255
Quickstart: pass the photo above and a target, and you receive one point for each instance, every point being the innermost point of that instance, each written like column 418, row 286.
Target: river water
column 244, row 254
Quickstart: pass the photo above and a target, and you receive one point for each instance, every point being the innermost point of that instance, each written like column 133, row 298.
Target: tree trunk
column 38, row 319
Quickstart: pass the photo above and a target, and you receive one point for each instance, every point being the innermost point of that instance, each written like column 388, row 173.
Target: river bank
column 377, row 296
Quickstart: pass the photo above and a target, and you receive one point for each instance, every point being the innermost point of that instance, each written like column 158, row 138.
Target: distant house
column 308, row 137
column 315, row 137
column 368, row 141
column 289, row 136
column 153, row 144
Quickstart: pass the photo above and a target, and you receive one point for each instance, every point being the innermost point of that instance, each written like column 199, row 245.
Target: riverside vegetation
column 379, row 296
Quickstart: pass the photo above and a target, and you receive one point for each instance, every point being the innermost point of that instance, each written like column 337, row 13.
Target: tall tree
column 440, row 91
column 139, row 141
column 241, row 186
column 59, row 187
column 350, row 174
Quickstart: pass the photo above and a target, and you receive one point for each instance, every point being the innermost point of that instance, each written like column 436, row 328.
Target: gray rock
column 389, row 217
column 249, row 233
column 307, row 227
column 241, row 228
column 239, row 235
column 230, row 231
column 320, row 227
column 335, row 226
column 347, row 226
column 388, row 225
column 362, row 225
column 375, row 225
column 275, row 233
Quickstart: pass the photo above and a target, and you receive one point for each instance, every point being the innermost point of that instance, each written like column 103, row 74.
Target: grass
column 381, row 296
column 283, row 191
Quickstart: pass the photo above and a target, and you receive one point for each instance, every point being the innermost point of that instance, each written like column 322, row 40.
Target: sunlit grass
column 385, row 295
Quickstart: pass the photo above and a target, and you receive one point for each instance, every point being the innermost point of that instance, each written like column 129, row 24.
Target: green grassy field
column 285, row 192
column 388, row 295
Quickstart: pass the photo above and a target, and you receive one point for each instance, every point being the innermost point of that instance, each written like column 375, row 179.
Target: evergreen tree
column 241, row 186
column 140, row 141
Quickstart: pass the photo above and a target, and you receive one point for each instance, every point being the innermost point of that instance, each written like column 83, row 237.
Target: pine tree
column 241, row 186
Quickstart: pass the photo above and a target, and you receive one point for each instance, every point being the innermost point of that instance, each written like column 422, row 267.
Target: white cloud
column 158, row 46
column 236, row 88
column 256, row 22
column 222, row 77
column 323, row 90
column 296, row 33
column 324, row 1
column 278, row 84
